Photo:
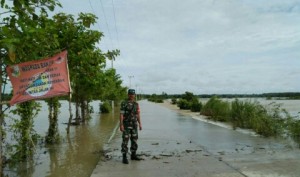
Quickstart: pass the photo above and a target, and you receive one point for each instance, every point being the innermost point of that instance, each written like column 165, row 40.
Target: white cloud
column 207, row 46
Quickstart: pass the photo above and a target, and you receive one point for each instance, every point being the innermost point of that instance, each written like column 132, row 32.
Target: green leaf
column 35, row 17
column 2, row 3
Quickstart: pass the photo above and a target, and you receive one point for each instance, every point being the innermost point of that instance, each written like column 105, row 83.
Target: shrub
column 189, row 96
column 105, row 107
column 266, row 121
column 156, row 100
column 244, row 113
column 174, row 101
column 294, row 129
column 216, row 109
column 196, row 106
column 183, row 104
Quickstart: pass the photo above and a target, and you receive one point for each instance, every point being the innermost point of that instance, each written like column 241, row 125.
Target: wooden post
column 112, row 105
column 70, row 111
column 1, row 118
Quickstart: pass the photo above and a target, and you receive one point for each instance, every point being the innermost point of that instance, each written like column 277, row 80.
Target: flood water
column 292, row 106
column 79, row 153
column 213, row 138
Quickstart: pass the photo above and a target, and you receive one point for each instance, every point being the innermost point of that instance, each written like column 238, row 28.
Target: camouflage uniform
column 130, row 111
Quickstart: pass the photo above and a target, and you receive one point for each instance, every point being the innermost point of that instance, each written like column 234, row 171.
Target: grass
column 269, row 120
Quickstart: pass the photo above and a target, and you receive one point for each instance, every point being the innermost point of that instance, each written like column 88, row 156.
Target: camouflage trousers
column 132, row 134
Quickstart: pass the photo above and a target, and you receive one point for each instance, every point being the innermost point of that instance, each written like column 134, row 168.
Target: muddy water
column 77, row 154
column 292, row 106
column 213, row 138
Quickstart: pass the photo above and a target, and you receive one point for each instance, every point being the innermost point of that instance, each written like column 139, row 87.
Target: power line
column 117, row 34
column 97, row 21
column 106, row 23
column 110, row 37
column 115, row 22
column 130, row 80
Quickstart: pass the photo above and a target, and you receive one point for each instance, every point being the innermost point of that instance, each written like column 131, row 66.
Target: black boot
column 125, row 160
column 134, row 156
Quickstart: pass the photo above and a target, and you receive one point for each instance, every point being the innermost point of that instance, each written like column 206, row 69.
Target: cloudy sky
column 200, row 46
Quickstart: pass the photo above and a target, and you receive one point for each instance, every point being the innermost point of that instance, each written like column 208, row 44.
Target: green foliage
column 196, row 106
column 293, row 127
column 294, row 98
column 243, row 114
column 267, row 121
column 183, row 104
column 216, row 109
column 110, row 87
column 189, row 101
column 188, row 96
column 156, row 98
column 29, row 33
column 23, row 131
column 105, row 107
column 174, row 101
column 53, row 133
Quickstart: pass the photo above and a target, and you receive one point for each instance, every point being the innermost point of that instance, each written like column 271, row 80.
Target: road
column 176, row 143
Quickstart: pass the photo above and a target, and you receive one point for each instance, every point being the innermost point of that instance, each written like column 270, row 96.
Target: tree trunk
column 1, row 118
column 26, row 110
column 77, row 119
column 71, row 115
column 83, row 111
column 53, row 134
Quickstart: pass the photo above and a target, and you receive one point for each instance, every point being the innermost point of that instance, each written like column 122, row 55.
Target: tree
column 27, row 27
column 21, row 31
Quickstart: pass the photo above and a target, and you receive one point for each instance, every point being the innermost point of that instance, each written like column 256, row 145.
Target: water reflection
column 77, row 154
column 209, row 136
column 81, row 154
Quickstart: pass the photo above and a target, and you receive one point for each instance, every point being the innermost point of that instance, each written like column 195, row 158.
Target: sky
column 200, row 46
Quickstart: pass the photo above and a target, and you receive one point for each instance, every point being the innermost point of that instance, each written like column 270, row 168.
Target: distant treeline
column 290, row 95
column 267, row 120
column 284, row 94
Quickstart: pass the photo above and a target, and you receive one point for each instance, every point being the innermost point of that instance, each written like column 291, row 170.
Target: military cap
column 131, row 91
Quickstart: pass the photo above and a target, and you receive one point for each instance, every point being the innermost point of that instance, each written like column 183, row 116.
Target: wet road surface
column 174, row 144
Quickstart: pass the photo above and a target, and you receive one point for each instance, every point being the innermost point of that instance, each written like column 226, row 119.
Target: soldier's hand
column 140, row 126
column 121, row 128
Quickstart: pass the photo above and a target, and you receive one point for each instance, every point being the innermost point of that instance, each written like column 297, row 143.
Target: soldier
column 129, row 121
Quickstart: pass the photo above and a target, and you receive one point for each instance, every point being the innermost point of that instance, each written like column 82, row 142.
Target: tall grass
column 267, row 121
column 294, row 129
column 216, row 109
column 270, row 120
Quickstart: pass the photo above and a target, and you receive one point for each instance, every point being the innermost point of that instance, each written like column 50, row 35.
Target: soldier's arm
column 121, row 122
column 122, row 117
column 139, row 117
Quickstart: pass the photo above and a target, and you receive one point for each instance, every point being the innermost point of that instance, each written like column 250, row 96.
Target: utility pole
column 137, row 92
column 130, row 80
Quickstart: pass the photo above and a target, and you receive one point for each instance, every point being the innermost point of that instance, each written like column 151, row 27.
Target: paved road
column 174, row 144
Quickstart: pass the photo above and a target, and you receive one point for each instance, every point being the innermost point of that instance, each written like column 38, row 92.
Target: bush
column 294, row 129
column 189, row 96
column 188, row 101
column 245, row 114
column 105, row 107
column 196, row 106
column 266, row 121
column 174, row 101
column 156, row 100
column 183, row 104
column 216, row 109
